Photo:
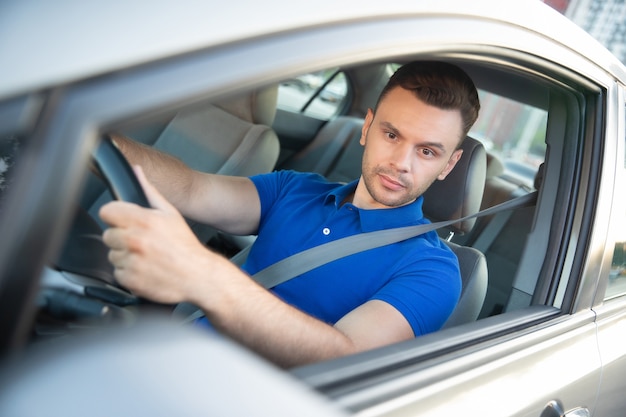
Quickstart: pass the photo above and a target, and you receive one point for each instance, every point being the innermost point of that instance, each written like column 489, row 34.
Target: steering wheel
column 84, row 253
column 118, row 174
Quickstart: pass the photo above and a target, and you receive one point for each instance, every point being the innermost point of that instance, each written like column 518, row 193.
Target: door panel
column 517, row 377
column 612, row 342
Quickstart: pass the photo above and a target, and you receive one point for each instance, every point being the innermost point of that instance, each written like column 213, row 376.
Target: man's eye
column 391, row 135
column 427, row 152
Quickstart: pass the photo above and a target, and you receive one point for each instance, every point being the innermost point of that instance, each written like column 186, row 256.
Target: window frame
column 618, row 206
column 85, row 109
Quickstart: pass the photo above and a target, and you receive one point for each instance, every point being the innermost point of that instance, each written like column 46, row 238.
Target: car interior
column 312, row 122
column 335, row 152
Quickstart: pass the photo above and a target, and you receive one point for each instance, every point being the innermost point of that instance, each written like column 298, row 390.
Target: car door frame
column 437, row 374
column 611, row 310
column 550, row 354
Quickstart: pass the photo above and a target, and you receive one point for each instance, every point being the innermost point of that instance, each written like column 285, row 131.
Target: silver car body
column 567, row 353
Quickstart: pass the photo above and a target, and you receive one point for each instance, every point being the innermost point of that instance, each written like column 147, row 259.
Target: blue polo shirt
column 419, row 276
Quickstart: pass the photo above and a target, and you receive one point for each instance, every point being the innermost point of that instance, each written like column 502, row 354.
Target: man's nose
column 402, row 157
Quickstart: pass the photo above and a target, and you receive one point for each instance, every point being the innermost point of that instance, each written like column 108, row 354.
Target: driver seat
column 336, row 154
column 457, row 196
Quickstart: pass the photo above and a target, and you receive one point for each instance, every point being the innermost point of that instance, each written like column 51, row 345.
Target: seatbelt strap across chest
column 317, row 256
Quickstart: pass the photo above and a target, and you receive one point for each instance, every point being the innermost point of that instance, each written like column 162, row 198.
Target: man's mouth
column 390, row 183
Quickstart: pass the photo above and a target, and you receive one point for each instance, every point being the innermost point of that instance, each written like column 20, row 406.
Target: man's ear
column 456, row 155
column 369, row 117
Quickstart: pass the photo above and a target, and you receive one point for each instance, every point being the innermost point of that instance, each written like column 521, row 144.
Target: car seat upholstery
column 502, row 238
column 475, row 278
column 497, row 190
column 457, row 196
column 231, row 137
column 336, row 153
column 461, row 193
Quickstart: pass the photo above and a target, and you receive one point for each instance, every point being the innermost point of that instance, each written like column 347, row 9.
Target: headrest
column 495, row 167
column 257, row 107
column 461, row 193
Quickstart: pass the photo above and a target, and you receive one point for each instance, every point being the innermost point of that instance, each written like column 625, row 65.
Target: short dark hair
column 438, row 84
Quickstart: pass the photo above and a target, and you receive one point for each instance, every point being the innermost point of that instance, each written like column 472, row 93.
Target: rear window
column 515, row 133
column 319, row 94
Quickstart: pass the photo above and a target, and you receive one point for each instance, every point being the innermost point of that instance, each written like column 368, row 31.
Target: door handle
column 555, row 409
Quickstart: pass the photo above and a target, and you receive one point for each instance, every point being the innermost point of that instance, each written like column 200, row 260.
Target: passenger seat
column 335, row 152
column 231, row 137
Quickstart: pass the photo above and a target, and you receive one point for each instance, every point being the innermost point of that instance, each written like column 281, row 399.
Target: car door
column 542, row 352
column 541, row 356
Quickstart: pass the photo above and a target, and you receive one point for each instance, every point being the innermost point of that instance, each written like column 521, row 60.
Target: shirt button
column 326, row 231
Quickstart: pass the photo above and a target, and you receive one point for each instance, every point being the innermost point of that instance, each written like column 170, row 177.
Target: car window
column 319, row 94
column 617, row 274
column 513, row 131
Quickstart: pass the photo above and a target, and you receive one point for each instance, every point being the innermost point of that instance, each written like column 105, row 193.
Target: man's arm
column 157, row 257
column 230, row 204
column 289, row 337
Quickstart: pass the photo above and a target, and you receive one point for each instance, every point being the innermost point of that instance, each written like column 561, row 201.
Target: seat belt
column 317, row 256
column 307, row 260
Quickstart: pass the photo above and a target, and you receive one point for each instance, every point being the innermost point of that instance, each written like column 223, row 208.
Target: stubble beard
column 389, row 198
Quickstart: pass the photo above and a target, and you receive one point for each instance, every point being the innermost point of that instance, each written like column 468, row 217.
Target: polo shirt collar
column 378, row 219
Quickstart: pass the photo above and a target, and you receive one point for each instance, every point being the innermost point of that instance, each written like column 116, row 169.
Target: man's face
column 408, row 145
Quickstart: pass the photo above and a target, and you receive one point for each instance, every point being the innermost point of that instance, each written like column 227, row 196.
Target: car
column 547, row 338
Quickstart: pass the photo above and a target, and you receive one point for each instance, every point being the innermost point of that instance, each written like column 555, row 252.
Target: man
column 360, row 302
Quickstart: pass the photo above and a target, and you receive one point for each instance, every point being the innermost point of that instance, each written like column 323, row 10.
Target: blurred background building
column 605, row 20
column 502, row 119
